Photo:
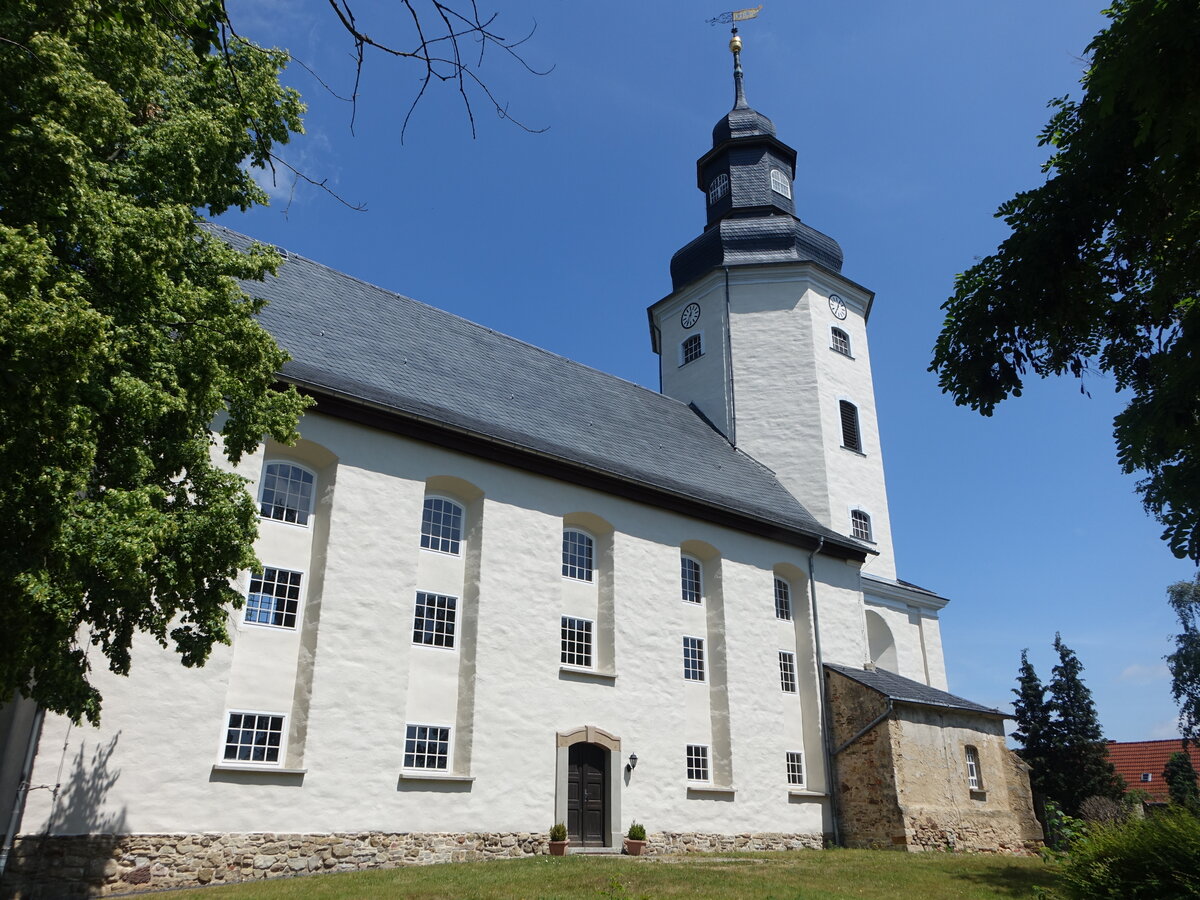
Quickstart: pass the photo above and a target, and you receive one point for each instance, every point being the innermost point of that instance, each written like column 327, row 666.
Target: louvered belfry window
column 851, row 439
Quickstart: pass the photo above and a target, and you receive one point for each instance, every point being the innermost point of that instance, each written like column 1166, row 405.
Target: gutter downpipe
column 732, row 403
column 14, row 819
column 826, row 722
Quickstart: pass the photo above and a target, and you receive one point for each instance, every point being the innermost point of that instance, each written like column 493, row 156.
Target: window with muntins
column 434, row 619
column 795, row 768
column 576, row 642
column 274, row 598
column 690, row 580
column 860, row 525
column 691, row 349
column 577, row 557
column 783, row 600
column 287, row 493
column 441, row 525
column 974, row 781
column 693, row 659
column 839, row 341
column 780, row 183
column 718, row 188
column 427, row 747
column 851, row 439
column 697, row 762
column 787, row 671
column 253, row 738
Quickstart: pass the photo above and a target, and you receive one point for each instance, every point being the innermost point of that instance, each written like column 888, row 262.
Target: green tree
column 1184, row 663
column 1034, row 731
column 1101, row 269
column 123, row 335
column 1180, row 776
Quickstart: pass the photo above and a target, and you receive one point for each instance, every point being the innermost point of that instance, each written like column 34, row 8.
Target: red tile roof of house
column 1134, row 760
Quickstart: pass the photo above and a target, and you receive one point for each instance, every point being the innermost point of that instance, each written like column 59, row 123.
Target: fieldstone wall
column 693, row 842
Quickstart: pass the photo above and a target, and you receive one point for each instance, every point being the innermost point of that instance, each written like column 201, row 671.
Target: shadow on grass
column 1010, row 880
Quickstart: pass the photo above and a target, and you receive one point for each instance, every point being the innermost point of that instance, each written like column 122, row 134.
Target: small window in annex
column 974, row 781
column 253, row 738
column 693, row 659
column 787, row 671
column 780, row 183
column 578, row 556
column 273, row 598
column 718, row 188
column 697, row 762
column 691, row 349
column 441, row 525
column 433, row 621
column 783, row 600
column 576, row 642
column 427, row 747
column 795, row 768
column 690, row 580
column 287, row 493
column 860, row 525
column 839, row 341
column 851, row 439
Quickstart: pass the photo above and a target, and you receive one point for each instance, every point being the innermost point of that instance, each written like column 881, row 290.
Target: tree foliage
column 1184, row 663
column 123, row 335
column 1101, row 269
column 1180, row 776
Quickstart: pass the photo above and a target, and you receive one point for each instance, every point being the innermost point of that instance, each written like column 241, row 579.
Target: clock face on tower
column 690, row 315
column 837, row 306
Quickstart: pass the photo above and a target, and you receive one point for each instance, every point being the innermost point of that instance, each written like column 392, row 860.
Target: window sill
column 710, row 789
column 840, row 353
column 804, row 792
column 978, row 795
column 855, row 452
column 262, row 770
column 436, row 776
column 587, row 673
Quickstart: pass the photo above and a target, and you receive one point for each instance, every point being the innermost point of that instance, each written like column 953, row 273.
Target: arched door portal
column 587, row 794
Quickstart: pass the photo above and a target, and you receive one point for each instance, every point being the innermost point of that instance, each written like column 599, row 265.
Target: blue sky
column 913, row 121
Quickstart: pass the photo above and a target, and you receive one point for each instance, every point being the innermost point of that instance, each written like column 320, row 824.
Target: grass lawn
column 799, row 875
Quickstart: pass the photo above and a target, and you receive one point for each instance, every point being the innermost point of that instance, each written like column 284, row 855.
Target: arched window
column 780, row 183
column 287, row 493
column 691, row 580
column 783, row 599
column 577, row 555
column 974, row 777
column 851, row 439
column 692, row 348
column 839, row 341
column 860, row 525
column 441, row 525
column 718, row 188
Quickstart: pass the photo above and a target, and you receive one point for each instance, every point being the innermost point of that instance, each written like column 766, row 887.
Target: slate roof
column 361, row 342
column 905, row 690
column 1132, row 759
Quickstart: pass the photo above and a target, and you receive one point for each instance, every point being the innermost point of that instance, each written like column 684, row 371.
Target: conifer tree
column 1032, row 712
column 1180, row 776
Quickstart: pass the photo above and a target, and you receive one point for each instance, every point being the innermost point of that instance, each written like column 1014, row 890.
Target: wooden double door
column 587, row 795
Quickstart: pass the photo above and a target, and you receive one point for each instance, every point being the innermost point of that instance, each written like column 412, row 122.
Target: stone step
column 595, row 851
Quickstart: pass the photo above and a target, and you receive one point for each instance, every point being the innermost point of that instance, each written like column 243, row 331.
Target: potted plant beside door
column 635, row 839
column 558, row 839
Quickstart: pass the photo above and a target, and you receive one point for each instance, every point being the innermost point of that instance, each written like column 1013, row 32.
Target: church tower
column 766, row 338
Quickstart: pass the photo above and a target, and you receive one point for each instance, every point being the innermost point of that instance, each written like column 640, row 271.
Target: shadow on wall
column 77, row 848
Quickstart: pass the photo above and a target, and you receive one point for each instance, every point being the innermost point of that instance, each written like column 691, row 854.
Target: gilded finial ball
column 735, row 44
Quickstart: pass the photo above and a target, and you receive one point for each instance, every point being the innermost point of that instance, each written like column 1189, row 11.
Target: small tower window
column 718, row 188
column 839, row 341
column 691, row 349
column 780, row 183
column 860, row 525
column 851, row 439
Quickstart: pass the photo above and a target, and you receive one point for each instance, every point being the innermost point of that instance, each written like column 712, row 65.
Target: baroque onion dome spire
column 747, row 179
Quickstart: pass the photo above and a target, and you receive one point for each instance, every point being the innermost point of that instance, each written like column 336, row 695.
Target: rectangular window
column 691, row 349
column 851, row 439
column 433, row 623
column 697, row 762
column 693, row 659
column 783, row 600
column 795, row 768
column 787, row 671
column 253, row 738
column 691, row 585
column 427, row 747
column 441, row 525
column 274, row 598
column 1147, row 777
column 576, row 642
column 974, row 782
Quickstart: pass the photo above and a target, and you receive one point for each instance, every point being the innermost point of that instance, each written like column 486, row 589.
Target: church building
column 502, row 590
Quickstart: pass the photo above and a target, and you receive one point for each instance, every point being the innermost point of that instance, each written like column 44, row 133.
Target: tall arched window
column 690, row 580
column 851, row 439
column 287, row 493
column 577, row 555
column 860, row 525
column 442, row 525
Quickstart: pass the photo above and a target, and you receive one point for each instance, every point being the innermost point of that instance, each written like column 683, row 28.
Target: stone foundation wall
column 978, row 833
column 692, row 842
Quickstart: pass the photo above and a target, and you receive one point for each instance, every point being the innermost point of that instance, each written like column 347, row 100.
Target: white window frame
column 843, row 404
column 703, row 756
column 462, row 526
column 223, row 760
column 683, row 582
column 780, row 183
column 697, row 336
column 787, row 658
column 860, row 525
column 1147, row 777
column 590, row 576
column 432, row 645
column 797, row 774
column 591, row 642
column 718, row 188
column 783, row 610
column 840, row 345
column 298, row 615
column 449, row 749
column 312, row 498
column 974, row 771
column 697, row 657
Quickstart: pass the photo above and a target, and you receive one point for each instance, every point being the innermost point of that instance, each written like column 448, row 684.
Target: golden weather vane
column 738, row 15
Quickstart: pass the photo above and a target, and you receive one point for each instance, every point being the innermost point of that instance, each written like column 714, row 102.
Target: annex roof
column 366, row 344
column 905, row 690
column 1135, row 759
